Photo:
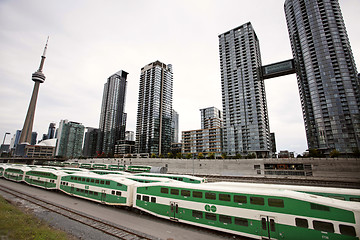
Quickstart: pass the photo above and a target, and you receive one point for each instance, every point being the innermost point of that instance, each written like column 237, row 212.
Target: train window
column 355, row 199
column 225, row 219
column 72, row 178
column 107, row 182
column 86, row 191
column 113, row 192
column 315, row 206
column 91, row 192
column 257, row 200
column 83, row 179
column 153, row 199
column 210, row 216
column 97, row 181
column 174, row 191
column 224, row 197
column 272, row 225
column 197, row 194
column 241, row 222
column 240, row 199
column 197, row 214
column 92, row 180
column 138, row 197
column 181, row 179
column 185, row 193
column 96, row 193
column 87, row 180
column 323, row 226
column 263, row 223
column 301, row 222
column 347, row 230
column 273, row 202
column 75, row 178
column 102, row 182
column 146, row 198
column 210, row 195
column 119, row 185
column 164, row 190
column 118, row 193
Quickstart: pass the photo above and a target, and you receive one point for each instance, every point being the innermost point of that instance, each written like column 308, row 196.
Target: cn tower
column 38, row 77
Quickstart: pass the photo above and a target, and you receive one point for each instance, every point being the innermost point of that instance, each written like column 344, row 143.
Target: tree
column 334, row 153
column 211, row 155
column 179, row 155
column 189, row 155
column 170, row 155
column 200, row 155
column 238, row 156
column 223, row 156
column 153, row 155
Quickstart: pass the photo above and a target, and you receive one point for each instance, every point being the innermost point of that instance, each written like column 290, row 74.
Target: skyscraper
column 90, row 142
column 112, row 119
column 70, row 138
column 154, row 114
column 246, row 124
column 38, row 77
column 326, row 74
column 51, row 131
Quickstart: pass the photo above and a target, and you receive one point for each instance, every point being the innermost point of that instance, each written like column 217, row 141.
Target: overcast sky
column 91, row 40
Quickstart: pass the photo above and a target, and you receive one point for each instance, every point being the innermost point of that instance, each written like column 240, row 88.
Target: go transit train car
column 2, row 168
column 107, row 189
column 44, row 178
column 182, row 178
column 346, row 194
column 258, row 213
column 16, row 172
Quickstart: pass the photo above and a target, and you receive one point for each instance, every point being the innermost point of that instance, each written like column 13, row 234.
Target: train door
column 103, row 196
column 269, row 228
column 72, row 189
column 174, row 210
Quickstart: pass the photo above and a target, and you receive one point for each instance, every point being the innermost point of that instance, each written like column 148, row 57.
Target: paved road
column 161, row 228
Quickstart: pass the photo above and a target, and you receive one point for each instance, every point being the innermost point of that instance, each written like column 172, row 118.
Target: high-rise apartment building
column 90, row 142
column 208, row 139
column 175, row 126
column 70, row 138
column 113, row 118
column 154, row 114
column 246, row 124
column 51, row 131
column 211, row 117
column 326, row 74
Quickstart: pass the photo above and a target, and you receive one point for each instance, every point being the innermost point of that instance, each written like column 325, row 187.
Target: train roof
column 353, row 206
column 291, row 187
column 146, row 178
column 169, row 175
column 49, row 170
column 21, row 167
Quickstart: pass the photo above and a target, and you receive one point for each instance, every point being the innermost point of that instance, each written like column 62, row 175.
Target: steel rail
column 107, row 228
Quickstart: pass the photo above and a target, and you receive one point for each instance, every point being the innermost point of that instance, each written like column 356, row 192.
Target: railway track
column 107, row 228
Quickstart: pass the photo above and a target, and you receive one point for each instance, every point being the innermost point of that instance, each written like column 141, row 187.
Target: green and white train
column 182, row 178
column 346, row 194
column 258, row 211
